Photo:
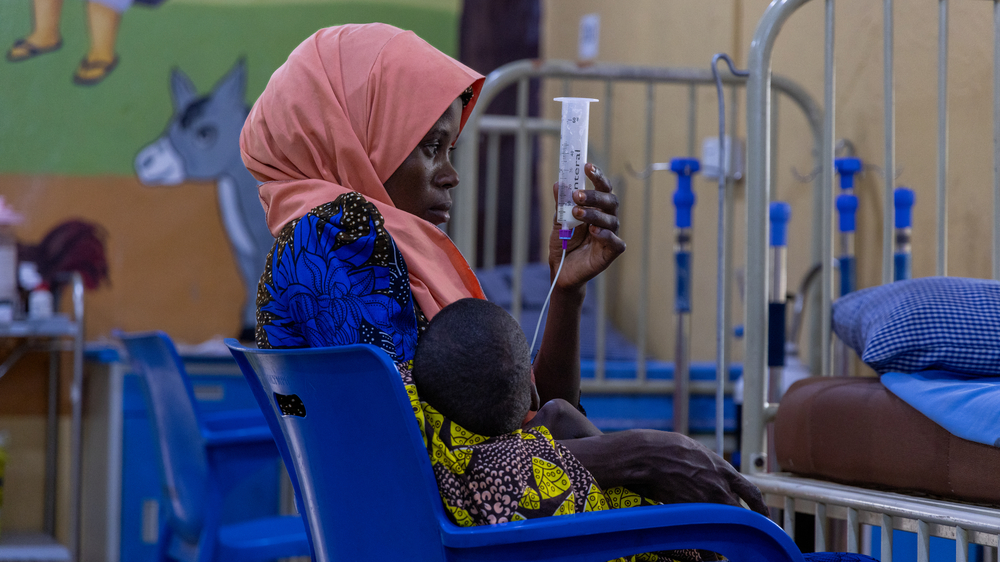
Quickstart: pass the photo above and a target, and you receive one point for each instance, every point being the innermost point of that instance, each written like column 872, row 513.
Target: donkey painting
column 202, row 143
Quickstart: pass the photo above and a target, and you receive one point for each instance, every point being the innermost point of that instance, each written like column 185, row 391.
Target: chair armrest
column 739, row 534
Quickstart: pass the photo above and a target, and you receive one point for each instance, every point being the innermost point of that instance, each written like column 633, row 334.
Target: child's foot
column 91, row 72
column 24, row 49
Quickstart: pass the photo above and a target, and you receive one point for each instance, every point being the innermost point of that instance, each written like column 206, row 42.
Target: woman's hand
column 595, row 243
column 664, row 466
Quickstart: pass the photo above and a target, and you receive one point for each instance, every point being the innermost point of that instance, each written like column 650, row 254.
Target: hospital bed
column 850, row 505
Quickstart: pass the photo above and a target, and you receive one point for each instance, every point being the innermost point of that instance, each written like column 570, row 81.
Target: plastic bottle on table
column 40, row 303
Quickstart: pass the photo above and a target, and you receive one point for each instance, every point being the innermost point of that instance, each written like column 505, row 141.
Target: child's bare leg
column 563, row 421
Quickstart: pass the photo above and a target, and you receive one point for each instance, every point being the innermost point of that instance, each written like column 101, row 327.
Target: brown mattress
column 855, row 431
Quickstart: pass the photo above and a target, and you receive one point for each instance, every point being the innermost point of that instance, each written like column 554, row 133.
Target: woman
column 352, row 139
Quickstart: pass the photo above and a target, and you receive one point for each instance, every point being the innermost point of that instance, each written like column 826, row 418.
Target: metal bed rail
column 963, row 522
column 482, row 128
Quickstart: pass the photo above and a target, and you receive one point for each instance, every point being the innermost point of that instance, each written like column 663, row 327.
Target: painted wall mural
column 202, row 143
column 103, row 100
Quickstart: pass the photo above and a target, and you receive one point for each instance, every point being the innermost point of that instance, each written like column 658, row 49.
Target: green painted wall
column 48, row 125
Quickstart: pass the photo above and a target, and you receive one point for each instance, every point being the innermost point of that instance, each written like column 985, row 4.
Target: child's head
column 472, row 364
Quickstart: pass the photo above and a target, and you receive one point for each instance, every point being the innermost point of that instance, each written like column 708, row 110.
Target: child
column 472, row 364
column 473, row 391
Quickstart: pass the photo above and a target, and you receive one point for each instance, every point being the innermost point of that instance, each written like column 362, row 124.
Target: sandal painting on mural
column 92, row 72
column 23, row 50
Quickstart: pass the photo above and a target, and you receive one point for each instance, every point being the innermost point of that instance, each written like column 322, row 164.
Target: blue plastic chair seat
column 263, row 539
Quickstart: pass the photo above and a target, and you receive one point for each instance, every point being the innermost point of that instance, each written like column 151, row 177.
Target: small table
column 56, row 334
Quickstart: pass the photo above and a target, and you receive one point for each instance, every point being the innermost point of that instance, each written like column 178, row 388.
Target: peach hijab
column 341, row 115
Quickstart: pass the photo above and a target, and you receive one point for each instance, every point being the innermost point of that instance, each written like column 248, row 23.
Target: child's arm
column 563, row 421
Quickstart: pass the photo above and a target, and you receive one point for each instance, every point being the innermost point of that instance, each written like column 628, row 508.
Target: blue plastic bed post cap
column 847, row 206
column 781, row 213
column 904, row 199
column 684, row 198
column 685, row 166
column 847, row 167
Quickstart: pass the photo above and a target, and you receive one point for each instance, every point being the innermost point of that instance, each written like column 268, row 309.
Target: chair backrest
column 184, row 464
column 353, row 444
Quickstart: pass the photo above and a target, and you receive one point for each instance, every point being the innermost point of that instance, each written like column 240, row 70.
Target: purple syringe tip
column 565, row 235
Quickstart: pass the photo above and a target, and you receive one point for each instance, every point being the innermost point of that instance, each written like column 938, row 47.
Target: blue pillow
column 945, row 323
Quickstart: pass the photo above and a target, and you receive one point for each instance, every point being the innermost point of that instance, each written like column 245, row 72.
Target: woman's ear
column 535, row 398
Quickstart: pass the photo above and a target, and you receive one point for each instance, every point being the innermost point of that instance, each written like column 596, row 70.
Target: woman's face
column 421, row 184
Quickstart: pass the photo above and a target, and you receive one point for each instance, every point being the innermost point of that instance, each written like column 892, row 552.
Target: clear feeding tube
column 573, row 133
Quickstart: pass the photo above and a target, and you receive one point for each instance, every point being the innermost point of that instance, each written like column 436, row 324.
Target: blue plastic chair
column 345, row 427
column 199, row 454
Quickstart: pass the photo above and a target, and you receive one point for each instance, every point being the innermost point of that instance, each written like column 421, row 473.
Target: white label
column 710, row 157
column 590, row 34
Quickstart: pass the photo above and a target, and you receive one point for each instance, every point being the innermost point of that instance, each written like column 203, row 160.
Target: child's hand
column 563, row 421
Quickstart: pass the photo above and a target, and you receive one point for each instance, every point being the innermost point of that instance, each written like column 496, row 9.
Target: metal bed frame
column 962, row 522
column 489, row 128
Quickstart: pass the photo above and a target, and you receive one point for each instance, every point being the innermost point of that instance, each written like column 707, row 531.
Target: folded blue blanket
column 967, row 406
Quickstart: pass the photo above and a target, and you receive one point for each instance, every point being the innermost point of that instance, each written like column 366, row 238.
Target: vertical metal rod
column 853, row 531
column 727, row 292
column 961, row 545
column 889, row 121
column 76, row 425
column 772, row 187
column 647, row 195
column 923, row 541
column 996, row 139
column 600, row 355
column 682, row 370
column 942, row 146
column 51, row 446
column 829, row 146
column 462, row 227
column 692, row 120
column 789, row 516
column 821, row 542
column 522, row 197
column 492, row 203
column 757, row 203
column 886, row 538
